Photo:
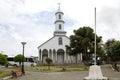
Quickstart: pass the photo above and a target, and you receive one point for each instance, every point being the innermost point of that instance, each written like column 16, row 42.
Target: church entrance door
column 60, row 56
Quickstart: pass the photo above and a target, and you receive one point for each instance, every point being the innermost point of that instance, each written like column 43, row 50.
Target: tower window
column 60, row 26
column 59, row 16
column 60, row 40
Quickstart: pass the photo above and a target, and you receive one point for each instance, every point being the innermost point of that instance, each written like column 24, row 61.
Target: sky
column 32, row 21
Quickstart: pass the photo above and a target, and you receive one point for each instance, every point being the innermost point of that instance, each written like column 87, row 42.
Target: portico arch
column 45, row 55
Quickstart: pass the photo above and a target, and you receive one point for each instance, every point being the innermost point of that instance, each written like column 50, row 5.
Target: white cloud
column 33, row 21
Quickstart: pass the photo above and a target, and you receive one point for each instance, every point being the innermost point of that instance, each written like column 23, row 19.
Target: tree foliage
column 19, row 58
column 49, row 61
column 115, row 51
column 108, row 46
column 82, row 41
column 3, row 59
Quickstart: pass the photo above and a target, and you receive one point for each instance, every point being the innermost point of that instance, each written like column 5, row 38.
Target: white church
column 54, row 48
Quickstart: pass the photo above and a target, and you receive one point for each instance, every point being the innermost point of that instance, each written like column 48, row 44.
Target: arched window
column 60, row 26
column 59, row 16
column 60, row 40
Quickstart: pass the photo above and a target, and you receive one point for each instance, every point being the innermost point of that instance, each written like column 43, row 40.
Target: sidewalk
column 108, row 72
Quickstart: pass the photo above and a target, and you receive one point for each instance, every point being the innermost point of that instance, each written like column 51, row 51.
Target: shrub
column 3, row 59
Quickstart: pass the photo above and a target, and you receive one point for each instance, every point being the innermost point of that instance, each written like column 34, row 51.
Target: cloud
column 40, row 18
column 108, row 21
column 33, row 21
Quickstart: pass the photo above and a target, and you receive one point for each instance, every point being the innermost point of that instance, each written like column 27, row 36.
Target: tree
column 19, row 58
column 3, row 59
column 83, row 42
column 115, row 53
column 108, row 45
column 49, row 61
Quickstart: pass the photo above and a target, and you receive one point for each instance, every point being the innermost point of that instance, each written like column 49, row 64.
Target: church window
column 60, row 40
column 59, row 16
column 60, row 26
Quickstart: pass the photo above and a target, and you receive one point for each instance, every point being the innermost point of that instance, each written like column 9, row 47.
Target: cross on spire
column 59, row 6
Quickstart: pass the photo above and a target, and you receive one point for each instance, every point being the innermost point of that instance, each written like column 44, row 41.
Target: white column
column 65, row 57
column 56, row 56
column 81, row 57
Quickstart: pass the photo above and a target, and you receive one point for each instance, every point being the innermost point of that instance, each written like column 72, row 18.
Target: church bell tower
column 59, row 23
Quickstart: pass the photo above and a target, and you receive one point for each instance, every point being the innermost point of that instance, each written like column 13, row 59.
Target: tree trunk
column 49, row 67
column 20, row 64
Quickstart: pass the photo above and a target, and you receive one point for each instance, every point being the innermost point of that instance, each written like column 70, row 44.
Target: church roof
column 49, row 40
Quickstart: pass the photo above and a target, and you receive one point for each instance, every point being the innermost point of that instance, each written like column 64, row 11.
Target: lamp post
column 22, row 69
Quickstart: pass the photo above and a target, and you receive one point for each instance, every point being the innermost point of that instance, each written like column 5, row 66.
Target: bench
column 16, row 73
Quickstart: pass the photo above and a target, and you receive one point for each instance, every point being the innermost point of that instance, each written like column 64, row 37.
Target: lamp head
column 23, row 43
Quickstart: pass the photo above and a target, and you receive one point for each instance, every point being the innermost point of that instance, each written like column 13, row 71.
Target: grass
column 58, row 68
column 78, row 68
column 4, row 73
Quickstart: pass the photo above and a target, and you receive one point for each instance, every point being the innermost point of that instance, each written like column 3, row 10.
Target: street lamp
column 22, row 69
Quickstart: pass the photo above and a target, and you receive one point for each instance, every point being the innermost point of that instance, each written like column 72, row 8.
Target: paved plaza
column 67, row 75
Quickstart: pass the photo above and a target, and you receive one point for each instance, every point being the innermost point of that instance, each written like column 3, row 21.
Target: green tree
column 19, row 58
column 107, row 46
column 3, row 59
column 82, row 41
column 49, row 61
column 115, row 53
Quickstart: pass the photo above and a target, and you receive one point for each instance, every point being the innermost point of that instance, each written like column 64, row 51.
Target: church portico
column 58, row 56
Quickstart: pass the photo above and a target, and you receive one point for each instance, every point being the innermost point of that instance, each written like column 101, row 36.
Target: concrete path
column 73, row 75
column 68, row 75
column 108, row 72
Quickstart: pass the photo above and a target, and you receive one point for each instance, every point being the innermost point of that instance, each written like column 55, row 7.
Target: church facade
column 54, row 48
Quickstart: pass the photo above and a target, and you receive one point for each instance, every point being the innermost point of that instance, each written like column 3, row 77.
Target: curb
column 5, row 78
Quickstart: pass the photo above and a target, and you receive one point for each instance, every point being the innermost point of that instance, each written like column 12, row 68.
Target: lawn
column 4, row 73
column 58, row 68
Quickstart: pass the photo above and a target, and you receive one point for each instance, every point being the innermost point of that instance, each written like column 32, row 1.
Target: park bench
column 16, row 73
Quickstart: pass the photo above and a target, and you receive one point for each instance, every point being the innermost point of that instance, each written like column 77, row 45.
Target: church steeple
column 59, row 23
